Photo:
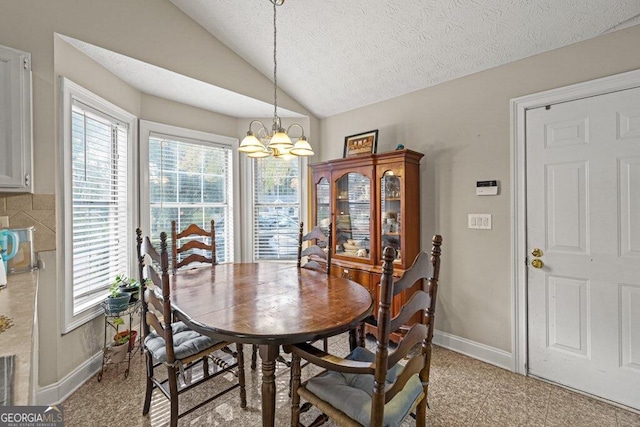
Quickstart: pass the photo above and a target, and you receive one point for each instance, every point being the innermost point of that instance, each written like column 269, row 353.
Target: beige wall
column 463, row 128
column 153, row 31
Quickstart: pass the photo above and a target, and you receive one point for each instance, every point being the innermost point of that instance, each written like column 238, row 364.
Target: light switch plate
column 479, row 221
column 4, row 221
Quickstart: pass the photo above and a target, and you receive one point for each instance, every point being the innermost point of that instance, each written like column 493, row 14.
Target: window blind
column 99, row 203
column 276, row 208
column 190, row 182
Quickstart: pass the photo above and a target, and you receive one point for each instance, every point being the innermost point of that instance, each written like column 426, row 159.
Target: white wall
column 462, row 127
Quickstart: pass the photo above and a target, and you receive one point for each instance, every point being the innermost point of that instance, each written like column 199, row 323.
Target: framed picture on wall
column 361, row 143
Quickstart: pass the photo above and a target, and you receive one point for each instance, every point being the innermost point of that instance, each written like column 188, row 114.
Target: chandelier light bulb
column 250, row 144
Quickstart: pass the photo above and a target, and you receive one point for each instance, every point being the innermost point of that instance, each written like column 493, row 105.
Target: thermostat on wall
column 486, row 188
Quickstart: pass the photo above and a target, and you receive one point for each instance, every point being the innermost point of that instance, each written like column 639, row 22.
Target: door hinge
column 25, row 63
column 27, row 179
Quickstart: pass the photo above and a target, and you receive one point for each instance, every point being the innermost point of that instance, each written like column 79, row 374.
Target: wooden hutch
column 373, row 201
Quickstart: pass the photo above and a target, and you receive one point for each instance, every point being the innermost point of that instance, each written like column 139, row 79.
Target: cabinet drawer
column 354, row 274
column 398, row 300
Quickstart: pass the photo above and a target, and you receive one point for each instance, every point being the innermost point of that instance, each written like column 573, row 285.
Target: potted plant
column 118, row 350
column 128, row 285
column 117, row 300
column 125, row 336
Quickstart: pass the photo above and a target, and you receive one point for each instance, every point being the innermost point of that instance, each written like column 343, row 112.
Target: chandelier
column 274, row 142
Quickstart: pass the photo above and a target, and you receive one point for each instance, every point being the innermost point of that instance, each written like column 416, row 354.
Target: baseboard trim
column 56, row 393
column 474, row 349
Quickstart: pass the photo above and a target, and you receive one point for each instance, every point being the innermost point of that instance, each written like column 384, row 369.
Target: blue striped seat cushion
column 186, row 342
column 351, row 393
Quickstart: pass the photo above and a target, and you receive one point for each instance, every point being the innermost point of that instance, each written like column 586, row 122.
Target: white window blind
column 100, row 226
column 190, row 182
column 276, row 208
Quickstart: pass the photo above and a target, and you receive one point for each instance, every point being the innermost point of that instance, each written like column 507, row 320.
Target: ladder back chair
column 194, row 247
column 374, row 389
column 317, row 254
column 174, row 345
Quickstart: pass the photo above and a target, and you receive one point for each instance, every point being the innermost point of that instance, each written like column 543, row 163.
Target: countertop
column 18, row 303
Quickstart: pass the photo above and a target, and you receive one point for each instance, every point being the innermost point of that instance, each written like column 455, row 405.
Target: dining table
column 269, row 304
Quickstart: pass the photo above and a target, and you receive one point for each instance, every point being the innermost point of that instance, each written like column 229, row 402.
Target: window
column 190, row 181
column 98, row 200
column 276, row 208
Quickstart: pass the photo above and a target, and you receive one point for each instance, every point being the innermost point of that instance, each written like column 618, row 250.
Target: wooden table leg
column 353, row 339
column 268, row 354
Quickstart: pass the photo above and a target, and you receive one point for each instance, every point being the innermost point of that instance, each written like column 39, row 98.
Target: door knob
column 537, row 252
column 537, row 263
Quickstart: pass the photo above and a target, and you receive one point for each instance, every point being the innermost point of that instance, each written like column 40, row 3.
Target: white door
column 583, row 213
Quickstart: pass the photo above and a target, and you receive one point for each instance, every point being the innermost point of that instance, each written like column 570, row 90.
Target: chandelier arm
column 262, row 126
column 295, row 124
column 263, row 133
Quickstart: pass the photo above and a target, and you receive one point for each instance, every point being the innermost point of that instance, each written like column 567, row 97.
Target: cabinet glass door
column 353, row 216
column 390, row 213
column 323, row 215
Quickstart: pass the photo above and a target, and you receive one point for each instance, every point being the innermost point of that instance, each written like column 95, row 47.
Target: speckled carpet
column 463, row 392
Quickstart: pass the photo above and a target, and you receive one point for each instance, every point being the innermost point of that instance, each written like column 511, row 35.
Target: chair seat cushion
column 351, row 393
column 186, row 342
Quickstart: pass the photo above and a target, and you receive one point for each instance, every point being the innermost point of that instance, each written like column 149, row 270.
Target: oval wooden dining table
column 268, row 304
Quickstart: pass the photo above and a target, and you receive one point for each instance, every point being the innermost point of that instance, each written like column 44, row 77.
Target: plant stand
column 114, row 355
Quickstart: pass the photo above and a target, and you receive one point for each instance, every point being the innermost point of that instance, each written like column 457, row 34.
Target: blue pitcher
column 7, row 236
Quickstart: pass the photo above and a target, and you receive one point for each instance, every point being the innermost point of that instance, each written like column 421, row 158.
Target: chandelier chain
column 275, row 66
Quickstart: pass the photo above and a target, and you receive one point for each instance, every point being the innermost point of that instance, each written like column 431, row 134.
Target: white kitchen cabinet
column 16, row 141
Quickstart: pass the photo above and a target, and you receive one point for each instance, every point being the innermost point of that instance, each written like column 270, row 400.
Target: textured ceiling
column 334, row 56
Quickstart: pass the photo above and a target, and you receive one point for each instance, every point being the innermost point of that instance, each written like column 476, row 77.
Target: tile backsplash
column 37, row 210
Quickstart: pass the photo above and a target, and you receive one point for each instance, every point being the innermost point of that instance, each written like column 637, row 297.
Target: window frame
column 149, row 127
column 248, row 188
column 71, row 91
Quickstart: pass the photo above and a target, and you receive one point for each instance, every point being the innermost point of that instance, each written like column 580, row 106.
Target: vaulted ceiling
column 334, row 56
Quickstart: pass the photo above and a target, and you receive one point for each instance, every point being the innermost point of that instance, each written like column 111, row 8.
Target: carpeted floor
column 463, row 392
column 7, row 365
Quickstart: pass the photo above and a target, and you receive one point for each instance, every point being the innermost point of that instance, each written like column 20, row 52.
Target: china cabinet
column 373, row 201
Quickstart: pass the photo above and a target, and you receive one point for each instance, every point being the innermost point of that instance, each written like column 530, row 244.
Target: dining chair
column 173, row 344
column 318, row 254
column 194, row 250
column 317, row 259
column 373, row 388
